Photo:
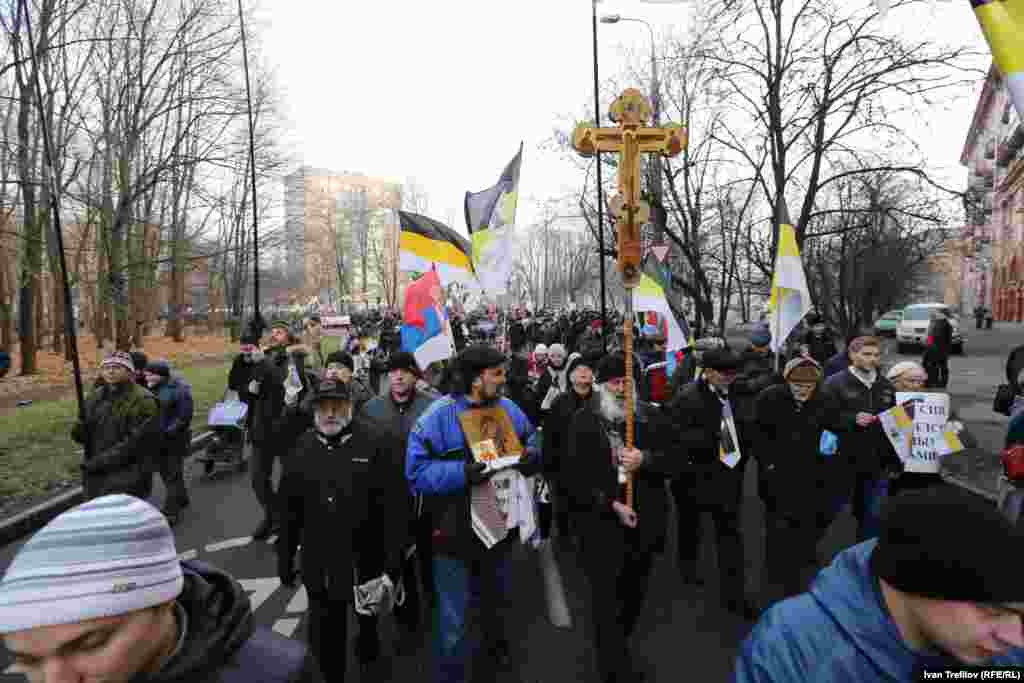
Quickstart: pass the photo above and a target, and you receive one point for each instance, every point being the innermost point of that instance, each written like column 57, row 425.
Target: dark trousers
column 406, row 615
column 555, row 512
column 725, row 515
column 424, row 534
column 869, row 492
column 938, row 372
column 328, row 637
column 618, row 574
column 791, row 544
column 482, row 585
column 262, row 468
column 170, row 466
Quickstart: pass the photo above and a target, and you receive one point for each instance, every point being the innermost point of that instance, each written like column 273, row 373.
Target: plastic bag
column 829, row 444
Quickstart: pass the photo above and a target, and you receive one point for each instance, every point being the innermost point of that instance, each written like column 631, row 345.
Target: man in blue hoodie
column 939, row 589
column 443, row 464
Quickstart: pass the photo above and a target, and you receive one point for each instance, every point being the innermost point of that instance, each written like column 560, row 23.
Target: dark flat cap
column 403, row 360
column 340, row 357
column 720, row 359
column 336, row 391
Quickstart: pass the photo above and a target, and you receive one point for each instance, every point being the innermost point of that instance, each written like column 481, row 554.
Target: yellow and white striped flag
column 1002, row 22
column 791, row 298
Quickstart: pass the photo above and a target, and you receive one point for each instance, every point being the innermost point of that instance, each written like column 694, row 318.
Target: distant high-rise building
column 341, row 238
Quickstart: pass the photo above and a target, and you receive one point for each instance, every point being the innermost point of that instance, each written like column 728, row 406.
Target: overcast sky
column 444, row 91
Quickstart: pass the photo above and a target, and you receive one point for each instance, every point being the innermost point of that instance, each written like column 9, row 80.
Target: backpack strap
column 268, row 657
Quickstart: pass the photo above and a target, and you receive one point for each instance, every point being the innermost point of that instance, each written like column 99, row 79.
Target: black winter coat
column 555, row 442
column 867, row 446
column 756, row 374
column 239, row 376
column 940, row 334
column 794, row 478
column 334, row 501
column 695, row 414
column 268, row 405
column 122, row 425
column 821, row 348
column 393, row 422
column 221, row 645
column 591, row 479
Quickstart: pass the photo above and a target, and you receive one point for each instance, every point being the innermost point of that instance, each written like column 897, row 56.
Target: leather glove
column 475, row 473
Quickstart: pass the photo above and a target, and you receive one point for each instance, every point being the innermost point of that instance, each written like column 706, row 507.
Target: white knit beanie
column 902, row 367
column 106, row 557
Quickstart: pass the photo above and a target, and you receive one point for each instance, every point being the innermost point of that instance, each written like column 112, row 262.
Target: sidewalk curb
column 35, row 518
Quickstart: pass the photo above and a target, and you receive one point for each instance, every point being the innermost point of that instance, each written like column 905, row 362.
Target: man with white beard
column 336, row 477
column 618, row 542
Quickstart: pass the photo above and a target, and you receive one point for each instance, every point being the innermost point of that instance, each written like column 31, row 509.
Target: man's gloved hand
column 475, row 473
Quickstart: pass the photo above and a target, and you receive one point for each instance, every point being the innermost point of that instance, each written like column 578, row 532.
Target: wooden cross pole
column 630, row 139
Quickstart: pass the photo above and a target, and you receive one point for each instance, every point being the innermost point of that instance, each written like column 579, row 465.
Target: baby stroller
column 227, row 449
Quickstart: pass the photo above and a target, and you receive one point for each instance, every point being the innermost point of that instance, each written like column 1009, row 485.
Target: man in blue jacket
column 939, row 589
column 441, row 465
column 175, row 398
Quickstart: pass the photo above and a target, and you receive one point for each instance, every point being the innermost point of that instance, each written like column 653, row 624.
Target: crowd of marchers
column 388, row 502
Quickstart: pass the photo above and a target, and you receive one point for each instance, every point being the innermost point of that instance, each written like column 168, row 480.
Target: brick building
column 992, row 274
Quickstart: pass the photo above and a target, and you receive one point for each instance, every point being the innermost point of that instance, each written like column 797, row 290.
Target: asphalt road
column 682, row 634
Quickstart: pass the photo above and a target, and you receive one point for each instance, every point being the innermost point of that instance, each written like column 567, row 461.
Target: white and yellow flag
column 649, row 296
column 1002, row 22
column 791, row 298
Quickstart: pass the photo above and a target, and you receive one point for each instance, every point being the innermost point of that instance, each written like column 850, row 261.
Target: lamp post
column 658, row 215
column 600, row 188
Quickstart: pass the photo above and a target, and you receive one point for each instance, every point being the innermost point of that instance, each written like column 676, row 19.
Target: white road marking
column 229, row 543
column 286, row 627
column 188, row 555
column 261, row 589
column 558, row 609
column 299, row 602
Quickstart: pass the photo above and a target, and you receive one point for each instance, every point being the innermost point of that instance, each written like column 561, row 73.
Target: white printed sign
column 930, row 412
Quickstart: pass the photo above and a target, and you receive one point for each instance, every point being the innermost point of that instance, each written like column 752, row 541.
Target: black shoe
column 743, row 609
column 264, row 530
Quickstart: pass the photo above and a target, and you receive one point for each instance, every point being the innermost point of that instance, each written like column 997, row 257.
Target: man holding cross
column 618, row 541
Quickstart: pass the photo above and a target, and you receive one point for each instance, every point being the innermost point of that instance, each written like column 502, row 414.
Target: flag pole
column 600, row 193
column 257, row 318
column 69, row 319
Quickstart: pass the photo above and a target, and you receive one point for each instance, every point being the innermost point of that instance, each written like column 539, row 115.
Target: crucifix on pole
column 631, row 138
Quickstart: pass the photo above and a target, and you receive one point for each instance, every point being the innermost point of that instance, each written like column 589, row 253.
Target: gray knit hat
column 122, row 358
column 106, row 557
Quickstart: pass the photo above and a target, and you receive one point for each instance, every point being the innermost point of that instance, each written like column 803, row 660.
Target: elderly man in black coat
column 708, row 437
column 801, row 483
column 618, row 541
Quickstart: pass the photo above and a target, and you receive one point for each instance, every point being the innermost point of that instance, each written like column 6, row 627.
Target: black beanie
column 611, row 366
column 403, row 360
column 340, row 357
column 139, row 360
column 159, row 367
column 947, row 544
column 472, row 361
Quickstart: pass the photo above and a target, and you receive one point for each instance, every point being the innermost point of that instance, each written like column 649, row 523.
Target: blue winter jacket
column 175, row 398
column 434, row 461
column 839, row 632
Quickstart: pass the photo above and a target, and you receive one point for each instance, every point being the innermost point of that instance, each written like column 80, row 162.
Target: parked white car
column 913, row 328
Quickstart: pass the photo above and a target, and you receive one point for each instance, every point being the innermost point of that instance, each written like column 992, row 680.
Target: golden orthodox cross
column 630, row 139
